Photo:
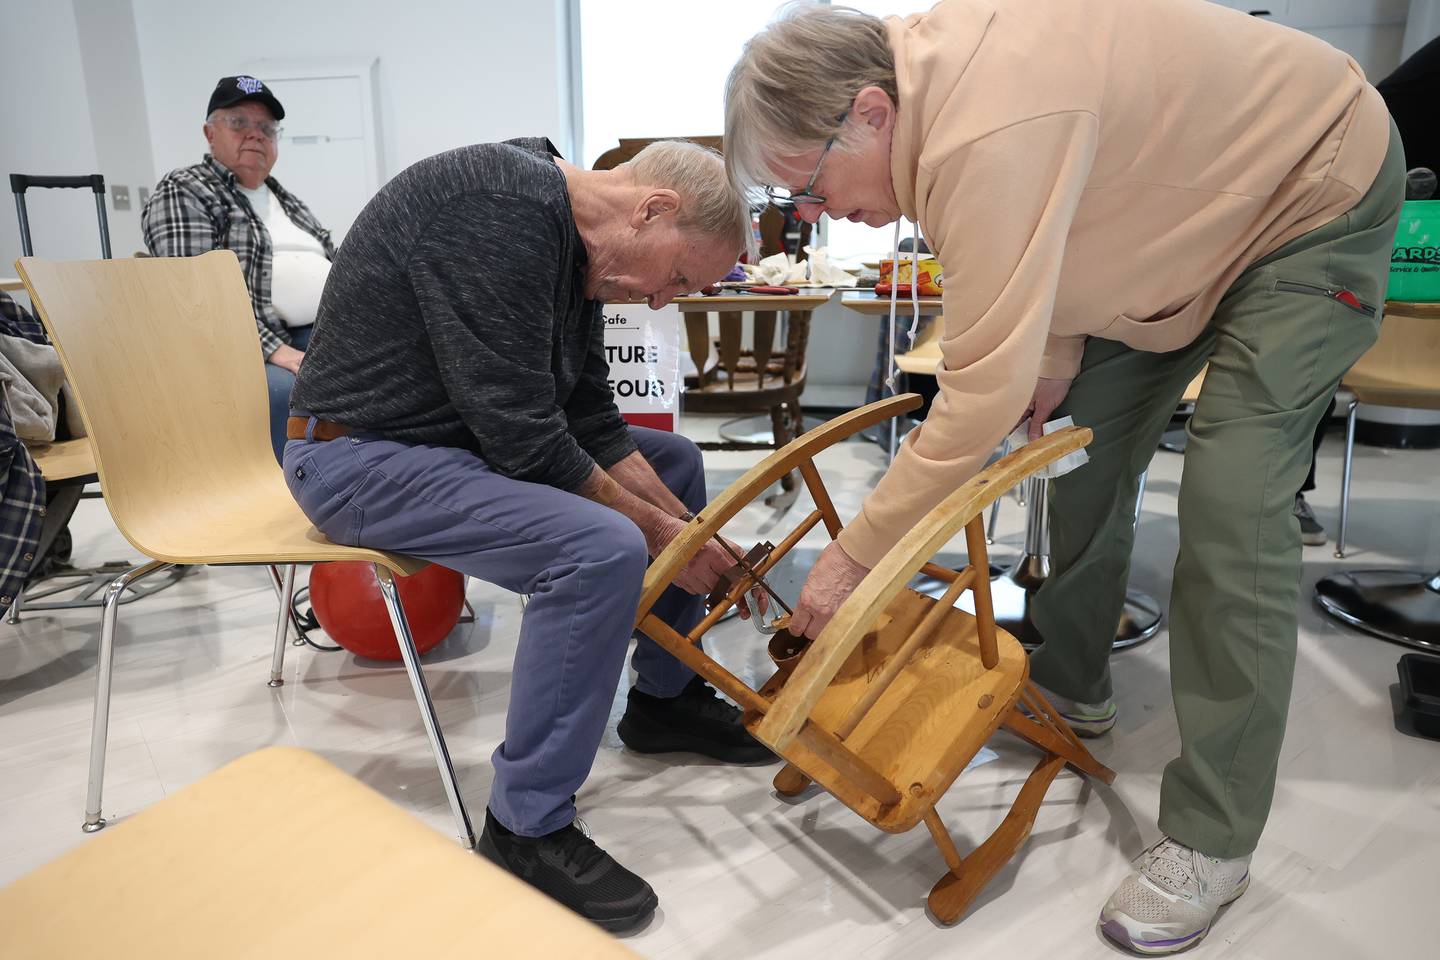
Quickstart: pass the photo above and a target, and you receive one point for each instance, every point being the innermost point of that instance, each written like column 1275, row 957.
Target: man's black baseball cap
column 231, row 90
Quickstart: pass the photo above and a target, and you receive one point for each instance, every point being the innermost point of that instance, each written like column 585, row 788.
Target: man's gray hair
column 795, row 80
column 708, row 203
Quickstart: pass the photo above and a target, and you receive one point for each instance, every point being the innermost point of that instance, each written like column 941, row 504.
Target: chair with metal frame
column 899, row 692
column 161, row 355
column 1401, row 369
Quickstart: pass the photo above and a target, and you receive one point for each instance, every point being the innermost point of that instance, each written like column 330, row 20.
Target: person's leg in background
column 670, row 709
column 1312, row 532
column 280, row 382
column 1282, row 344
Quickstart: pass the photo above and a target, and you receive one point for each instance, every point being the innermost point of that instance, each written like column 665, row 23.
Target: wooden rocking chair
column 898, row 693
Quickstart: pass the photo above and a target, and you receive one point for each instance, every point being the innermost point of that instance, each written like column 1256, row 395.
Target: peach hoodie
column 1097, row 168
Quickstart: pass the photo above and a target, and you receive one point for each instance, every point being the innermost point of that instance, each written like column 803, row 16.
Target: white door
column 323, row 147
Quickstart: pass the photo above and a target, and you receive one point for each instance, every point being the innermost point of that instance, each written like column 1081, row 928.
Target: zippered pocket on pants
column 1341, row 296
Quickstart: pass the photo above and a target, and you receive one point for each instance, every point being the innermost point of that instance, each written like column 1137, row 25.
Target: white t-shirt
column 298, row 264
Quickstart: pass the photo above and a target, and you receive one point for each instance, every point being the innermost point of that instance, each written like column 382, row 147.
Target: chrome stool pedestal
column 1012, row 592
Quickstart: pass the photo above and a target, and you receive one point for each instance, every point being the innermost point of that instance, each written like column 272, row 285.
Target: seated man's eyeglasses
column 268, row 130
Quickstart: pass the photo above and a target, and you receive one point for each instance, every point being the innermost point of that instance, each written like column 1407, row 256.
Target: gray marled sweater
column 455, row 315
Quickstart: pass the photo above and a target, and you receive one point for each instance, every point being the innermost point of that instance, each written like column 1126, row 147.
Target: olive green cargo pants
column 1277, row 346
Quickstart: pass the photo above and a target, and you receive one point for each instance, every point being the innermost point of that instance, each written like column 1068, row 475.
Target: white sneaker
column 1169, row 902
column 1086, row 719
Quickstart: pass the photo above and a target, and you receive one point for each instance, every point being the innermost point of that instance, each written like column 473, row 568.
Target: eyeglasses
column 270, row 131
column 782, row 197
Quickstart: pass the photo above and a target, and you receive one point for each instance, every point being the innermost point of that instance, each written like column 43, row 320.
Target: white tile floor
column 1347, row 868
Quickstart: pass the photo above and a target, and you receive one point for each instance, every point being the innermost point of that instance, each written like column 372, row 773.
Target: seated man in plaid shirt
column 229, row 201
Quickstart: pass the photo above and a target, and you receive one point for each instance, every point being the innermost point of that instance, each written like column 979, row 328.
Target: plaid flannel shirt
column 22, row 491
column 200, row 208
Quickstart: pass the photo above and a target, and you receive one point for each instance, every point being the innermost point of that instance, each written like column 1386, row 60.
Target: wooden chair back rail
column 984, row 610
column 761, row 568
column 821, row 496
column 755, row 481
column 901, row 657
column 782, row 723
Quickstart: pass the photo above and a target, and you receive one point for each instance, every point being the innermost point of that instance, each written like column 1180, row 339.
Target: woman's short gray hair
column 708, row 202
column 795, row 80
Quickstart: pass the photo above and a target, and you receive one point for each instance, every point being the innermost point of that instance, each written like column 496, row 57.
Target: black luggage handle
column 20, row 182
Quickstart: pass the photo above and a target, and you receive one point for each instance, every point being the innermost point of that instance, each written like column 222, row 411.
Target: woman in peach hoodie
column 1119, row 191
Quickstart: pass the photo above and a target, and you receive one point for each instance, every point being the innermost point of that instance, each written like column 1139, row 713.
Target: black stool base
column 1402, row 606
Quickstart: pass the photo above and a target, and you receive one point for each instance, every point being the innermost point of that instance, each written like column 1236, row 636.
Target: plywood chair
column 900, row 691
column 187, row 878
column 161, row 355
column 1401, row 369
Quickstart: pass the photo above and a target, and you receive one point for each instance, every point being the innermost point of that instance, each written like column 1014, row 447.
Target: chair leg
column 277, row 659
column 990, row 527
column 779, row 424
column 100, row 722
column 1140, row 496
column 790, row 781
column 1345, row 479
column 427, row 706
column 13, row 615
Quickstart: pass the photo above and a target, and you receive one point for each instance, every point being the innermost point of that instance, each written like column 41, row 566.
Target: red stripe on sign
column 655, row 421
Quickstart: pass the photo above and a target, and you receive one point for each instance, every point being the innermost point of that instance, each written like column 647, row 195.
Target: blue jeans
column 581, row 563
column 281, row 381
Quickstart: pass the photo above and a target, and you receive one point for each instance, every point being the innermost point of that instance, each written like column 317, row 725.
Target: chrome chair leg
column 426, row 705
column 277, row 659
column 100, row 723
column 1345, row 479
column 1140, row 496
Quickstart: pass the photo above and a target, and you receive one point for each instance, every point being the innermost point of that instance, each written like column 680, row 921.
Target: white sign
column 642, row 347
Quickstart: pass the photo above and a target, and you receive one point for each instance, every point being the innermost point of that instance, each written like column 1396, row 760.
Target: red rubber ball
column 345, row 596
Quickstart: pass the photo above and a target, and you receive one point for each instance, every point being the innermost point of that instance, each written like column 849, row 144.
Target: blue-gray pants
column 280, row 382
column 581, row 563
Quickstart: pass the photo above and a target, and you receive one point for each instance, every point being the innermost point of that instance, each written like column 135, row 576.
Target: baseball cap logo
column 249, row 84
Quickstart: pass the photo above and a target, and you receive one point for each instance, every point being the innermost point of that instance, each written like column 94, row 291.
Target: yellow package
column 931, row 276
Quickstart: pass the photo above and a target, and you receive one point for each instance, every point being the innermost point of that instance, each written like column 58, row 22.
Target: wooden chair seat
column 64, row 460
column 900, row 691
column 922, row 729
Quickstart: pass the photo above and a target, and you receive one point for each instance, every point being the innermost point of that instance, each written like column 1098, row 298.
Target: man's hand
column 705, row 568
column 1048, row 395
column 288, row 357
column 834, row 577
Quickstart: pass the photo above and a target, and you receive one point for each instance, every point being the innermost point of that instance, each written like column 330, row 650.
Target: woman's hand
column 1048, row 395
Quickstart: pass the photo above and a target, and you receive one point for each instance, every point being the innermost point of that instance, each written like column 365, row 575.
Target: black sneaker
column 1311, row 533
column 696, row 721
column 568, row 867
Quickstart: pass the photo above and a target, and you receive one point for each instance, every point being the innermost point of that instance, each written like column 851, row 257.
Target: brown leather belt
column 324, row 429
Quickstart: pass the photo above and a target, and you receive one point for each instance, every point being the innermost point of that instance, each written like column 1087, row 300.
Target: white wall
column 46, row 130
column 119, row 124
column 452, row 72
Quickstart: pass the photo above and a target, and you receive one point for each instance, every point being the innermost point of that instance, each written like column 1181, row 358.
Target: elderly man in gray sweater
column 455, row 405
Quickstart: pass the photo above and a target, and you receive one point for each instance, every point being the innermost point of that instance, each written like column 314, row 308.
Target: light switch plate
column 120, row 197
column 144, row 196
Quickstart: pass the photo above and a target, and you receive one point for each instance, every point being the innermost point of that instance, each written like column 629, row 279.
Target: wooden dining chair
column 161, row 353
column 900, row 691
